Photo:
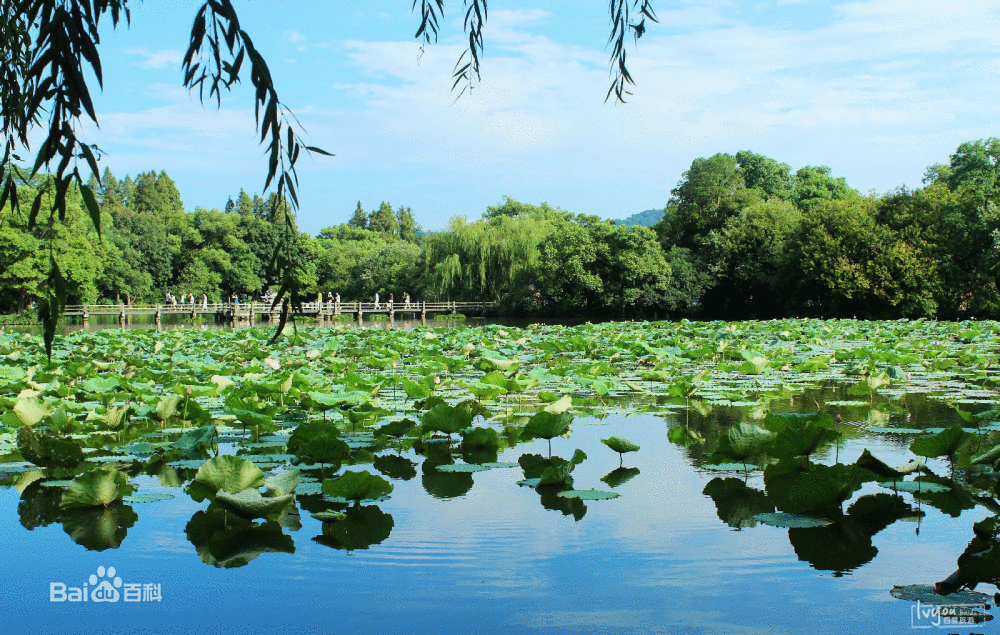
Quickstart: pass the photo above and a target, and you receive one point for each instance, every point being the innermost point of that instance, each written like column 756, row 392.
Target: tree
column 360, row 218
column 408, row 227
column 50, row 47
column 383, row 221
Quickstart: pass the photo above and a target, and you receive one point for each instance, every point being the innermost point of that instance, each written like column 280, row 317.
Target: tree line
column 742, row 236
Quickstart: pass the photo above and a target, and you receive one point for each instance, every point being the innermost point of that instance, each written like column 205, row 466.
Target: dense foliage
column 742, row 237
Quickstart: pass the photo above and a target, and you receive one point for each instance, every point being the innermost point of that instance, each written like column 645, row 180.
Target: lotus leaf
column 357, row 486
column 781, row 519
column 250, row 504
column 944, row 443
column 191, row 440
column 306, row 432
column 546, row 425
column 462, row 467
column 446, row 419
column 329, row 517
column 230, row 474
column 397, row 429
column 97, row 488
column 925, row 594
column 480, row 438
column 588, row 494
column 915, row 486
column 744, row 440
column 620, row 445
column 281, row 483
column 147, row 497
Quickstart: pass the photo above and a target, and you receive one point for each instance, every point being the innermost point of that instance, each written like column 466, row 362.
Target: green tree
column 408, row 227
column 383, row 221
column 360, row 218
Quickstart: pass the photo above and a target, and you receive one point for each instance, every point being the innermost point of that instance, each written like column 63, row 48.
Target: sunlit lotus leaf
column 11, row 374
column 329, row 517
column 27, row 411
column 221, row 382
column 250, row 504
column 744, row 440
column 462, row 467
column 282, row 483
column 925, row 594
column 988, row 457
column 474, row 408
column 99, row 528
column 782, row 519
column 102, row 384
column 168, row 407
column 944, row 443
column 446, row 419
column 560, row 405
column 97, row 488
column 415, row 390
column 588, row 494
column 482, row 390
column 191, row 440
column 48, row 450
column 230, row 474
column 147, row 497
column 357, row 486
column 493, row 363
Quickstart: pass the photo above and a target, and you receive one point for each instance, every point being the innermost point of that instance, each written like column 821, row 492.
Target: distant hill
column 647, row 219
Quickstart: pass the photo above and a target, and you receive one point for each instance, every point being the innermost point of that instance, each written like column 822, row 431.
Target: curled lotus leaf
column 250, row 504
column 230, row 474
column 96, row 488
column 788, row 521
column 925, row 594
column 620, row 445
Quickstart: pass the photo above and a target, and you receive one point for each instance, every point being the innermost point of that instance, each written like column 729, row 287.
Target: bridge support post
column 158, row 316
column 121, row 316
column 86, row 318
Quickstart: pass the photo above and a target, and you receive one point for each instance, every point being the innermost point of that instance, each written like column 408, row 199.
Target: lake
column 679, row 550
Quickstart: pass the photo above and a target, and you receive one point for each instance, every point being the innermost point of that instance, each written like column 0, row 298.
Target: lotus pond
column 789, row 476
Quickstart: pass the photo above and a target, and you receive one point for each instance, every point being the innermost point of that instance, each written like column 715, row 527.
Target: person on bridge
column 336, row 298
column 376, row 300
column 406, row 299
column 204, row 301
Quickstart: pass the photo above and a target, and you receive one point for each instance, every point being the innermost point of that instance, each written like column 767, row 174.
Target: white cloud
column 167, row 58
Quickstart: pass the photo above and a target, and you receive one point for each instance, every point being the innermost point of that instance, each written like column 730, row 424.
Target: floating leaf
column 588, row 494
column 230, row 474
column 97, row 488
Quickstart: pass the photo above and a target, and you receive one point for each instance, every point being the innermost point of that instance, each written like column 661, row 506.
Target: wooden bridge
column 250, row 312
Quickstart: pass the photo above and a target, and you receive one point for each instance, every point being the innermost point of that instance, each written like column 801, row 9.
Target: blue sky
column 875, row 89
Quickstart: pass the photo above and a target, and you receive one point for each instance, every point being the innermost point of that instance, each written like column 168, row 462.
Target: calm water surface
column 476, row 553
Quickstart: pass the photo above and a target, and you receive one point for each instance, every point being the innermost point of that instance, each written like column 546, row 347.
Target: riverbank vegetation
column 742, row 236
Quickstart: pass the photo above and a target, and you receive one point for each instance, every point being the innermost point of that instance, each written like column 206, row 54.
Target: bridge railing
column 308, row 308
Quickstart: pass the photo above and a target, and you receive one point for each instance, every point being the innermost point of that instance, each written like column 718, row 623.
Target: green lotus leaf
column 27, row 411
column 324, row 450
column 788, row 521
column 620, row 445
column 944, row 443
column 446, row 419
column 823, row 486
column 684, row 436
column 483, row 390
column 588, row 494
column 103, row 384
column 462, row 467
column 250, row 504
column 925, row 594
column 281, row 483
column 357, row 486
column 414, row 390
column 97, row 488
column 547, row 425
column 397, row 429
column 191, row 440
column 147, row 497
column 329, row 517
column 560, row 405
column 801, row 439
column 744, row 440
column 230, row 474
column 480, row 438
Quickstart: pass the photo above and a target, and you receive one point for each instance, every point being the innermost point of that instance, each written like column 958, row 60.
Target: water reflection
column 99, row 528
column 226, row 540
column 363, row 526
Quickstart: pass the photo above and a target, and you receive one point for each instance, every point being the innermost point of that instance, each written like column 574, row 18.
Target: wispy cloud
column 168, row 58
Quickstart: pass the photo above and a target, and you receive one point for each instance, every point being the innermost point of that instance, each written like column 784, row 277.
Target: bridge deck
column 247, row 310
